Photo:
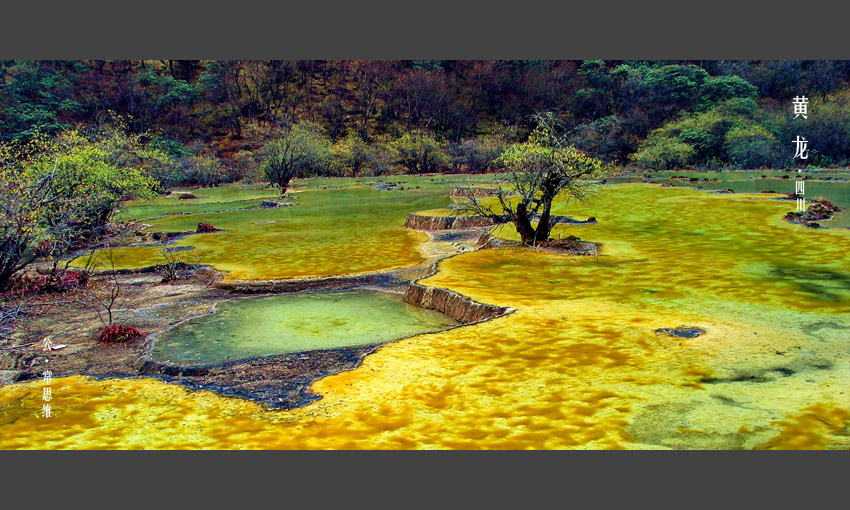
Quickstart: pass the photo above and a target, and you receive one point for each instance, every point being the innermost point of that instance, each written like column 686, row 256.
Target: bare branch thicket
column 10, row 314
column 89, row 264
column 104, row 300
column 172, row 264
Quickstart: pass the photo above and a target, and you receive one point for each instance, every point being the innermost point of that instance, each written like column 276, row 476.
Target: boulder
column 681, row 332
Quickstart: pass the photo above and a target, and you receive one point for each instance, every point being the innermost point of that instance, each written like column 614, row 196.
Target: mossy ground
column 578, row 365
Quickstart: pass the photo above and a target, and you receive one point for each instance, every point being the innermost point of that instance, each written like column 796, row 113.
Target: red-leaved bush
column 41, row 284
column 71, row 279
column 206, row 227
column 186, row 196
column 118, row 333
column 44, row 248
column 826, row 203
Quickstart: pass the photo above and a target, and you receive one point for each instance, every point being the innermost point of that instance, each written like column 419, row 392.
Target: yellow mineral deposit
column 578, row 365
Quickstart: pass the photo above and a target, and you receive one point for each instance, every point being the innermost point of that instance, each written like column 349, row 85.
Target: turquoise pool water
column 263, row 326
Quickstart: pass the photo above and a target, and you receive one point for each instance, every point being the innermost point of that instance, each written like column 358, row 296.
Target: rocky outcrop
column 681, row 332
column 456, row 306
column 818, row 211
column 463, row 192
column 271, row 203
column 417, row 222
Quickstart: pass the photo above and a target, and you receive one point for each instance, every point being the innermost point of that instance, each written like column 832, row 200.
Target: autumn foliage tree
column 352, row 154
column 539, row 170
column 419, row 153
column 61, row 191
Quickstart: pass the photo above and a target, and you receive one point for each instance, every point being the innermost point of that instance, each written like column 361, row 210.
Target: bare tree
column 104, row 299
column 299, row 152
column 172, row 264
column 374, row 77
column 89, row 263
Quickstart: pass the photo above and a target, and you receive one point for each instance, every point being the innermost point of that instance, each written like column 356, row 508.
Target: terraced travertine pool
column 578, row 365
column 337, row 227
column 298, row 322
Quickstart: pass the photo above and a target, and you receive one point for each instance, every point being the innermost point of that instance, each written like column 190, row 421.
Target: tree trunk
column 6, row 277
column 523, row 224
column 543, row 226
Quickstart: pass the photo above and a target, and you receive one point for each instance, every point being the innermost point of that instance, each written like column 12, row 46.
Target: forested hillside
column 420, row 116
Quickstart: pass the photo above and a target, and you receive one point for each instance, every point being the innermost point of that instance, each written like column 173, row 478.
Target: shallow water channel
column 285, row 323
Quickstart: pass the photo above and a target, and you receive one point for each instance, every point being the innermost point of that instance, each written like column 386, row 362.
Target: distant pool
column 837, row 192
column 263, row 326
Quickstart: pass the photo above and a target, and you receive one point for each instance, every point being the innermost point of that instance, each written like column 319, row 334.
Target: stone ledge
column 456, row 306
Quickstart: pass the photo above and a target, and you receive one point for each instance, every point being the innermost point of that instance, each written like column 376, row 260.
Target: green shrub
column 665, row 154
column 419, row 153
column 751, row 146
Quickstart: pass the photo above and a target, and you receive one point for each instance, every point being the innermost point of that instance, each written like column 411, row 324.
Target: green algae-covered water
column 333, row 227
column 837, row 192
column 262, row 326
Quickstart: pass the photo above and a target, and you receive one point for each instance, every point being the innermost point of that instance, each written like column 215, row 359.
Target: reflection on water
column 243, row 328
